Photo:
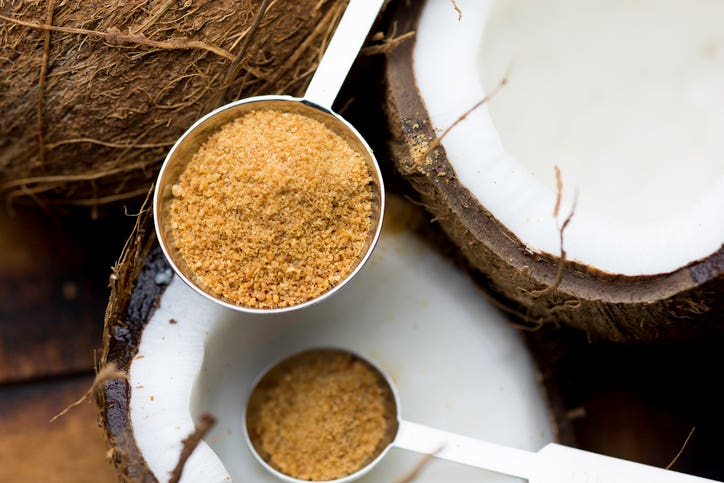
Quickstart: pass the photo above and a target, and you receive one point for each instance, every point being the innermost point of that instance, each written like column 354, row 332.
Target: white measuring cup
column 316, row 103
column 554, row 463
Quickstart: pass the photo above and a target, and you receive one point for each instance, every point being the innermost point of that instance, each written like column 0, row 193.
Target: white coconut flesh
column 625, row 97
column 457, row 362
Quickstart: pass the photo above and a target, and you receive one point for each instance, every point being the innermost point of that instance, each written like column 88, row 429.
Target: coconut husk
column 93, row 94
column 538, row 288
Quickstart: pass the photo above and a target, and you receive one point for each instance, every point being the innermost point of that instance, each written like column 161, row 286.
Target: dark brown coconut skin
column 86, row 120
column 135, row 294
column 686, row 303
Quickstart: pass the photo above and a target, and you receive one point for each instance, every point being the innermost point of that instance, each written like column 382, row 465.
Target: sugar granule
column 324, row 418
column 273, row 210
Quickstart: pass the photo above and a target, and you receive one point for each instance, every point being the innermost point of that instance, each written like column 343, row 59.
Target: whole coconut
column 93, row 94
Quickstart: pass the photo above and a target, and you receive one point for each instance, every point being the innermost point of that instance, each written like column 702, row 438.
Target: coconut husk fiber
column 93, row 94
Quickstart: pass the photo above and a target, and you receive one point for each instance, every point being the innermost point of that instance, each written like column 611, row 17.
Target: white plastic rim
column 632, row 219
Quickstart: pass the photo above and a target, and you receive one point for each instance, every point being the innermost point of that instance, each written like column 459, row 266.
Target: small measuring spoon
column 317, row 102
column 552, row 464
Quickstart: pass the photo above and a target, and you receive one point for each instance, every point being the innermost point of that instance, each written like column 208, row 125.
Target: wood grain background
column 53, row 293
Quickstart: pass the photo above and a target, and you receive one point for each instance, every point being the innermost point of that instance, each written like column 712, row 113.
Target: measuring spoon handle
column 463, row 449
column 342, row 50
column 553, row 464
column 563, row 464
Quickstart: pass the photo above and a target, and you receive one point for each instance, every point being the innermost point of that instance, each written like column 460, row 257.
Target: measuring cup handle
column 562, row 464
column 553, row 464
column 342, row 50
column 462, row 449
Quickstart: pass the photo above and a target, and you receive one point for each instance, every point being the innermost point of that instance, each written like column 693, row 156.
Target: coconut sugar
column 273, row 210
column 324, row 417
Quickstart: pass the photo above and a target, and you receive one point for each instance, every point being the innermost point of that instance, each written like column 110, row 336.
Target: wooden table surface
column 53, row 292
column 638, row 403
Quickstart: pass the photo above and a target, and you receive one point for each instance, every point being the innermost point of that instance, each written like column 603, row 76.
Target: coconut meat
column 162, row 376
column 623, row 97
column 457, row 362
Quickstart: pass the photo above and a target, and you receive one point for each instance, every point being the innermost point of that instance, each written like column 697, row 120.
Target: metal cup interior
column 186, row 147
column 271, row 376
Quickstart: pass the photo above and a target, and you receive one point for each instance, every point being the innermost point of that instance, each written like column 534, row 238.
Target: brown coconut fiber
column 93, row 94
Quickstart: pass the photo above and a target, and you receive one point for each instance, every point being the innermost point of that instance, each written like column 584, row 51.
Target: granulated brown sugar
column 273, row 210
column 324, row 415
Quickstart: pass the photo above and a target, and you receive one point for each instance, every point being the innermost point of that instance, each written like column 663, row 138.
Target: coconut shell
column 685, row 303
column 93, row 94
column 134, row 296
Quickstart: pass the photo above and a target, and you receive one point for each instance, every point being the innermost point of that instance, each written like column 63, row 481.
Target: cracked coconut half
column 187, row 358
column 587, row 186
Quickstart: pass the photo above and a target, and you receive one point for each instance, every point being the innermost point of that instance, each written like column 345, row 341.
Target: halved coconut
column 588, row 188
column 457, row 361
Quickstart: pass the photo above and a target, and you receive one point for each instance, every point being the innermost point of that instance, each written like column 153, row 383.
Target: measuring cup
column 316, row 104
column 552, row 464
